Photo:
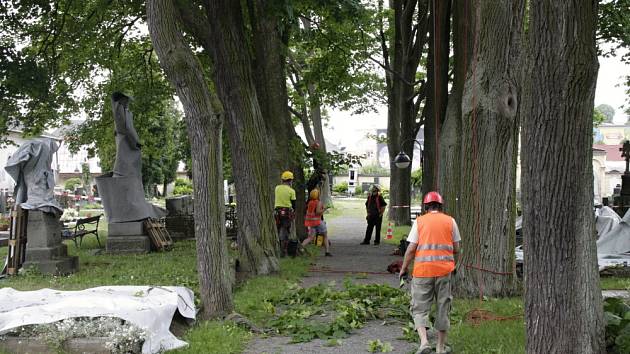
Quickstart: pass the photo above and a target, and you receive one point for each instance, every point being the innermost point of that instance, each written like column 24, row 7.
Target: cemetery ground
column 275, row 303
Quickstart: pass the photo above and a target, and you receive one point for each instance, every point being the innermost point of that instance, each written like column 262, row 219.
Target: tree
column 489, row 138
column 270, row 33
column 204, row 122
column 409, row 23
column 563, row 301
column 607, row 111
column 598, row 117
column 232, row 74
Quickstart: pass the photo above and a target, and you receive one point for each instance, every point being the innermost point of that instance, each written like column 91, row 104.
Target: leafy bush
column 617, row 316
column 416, row 178
column 341, row 187
column 72, row 183
column 183, row 187
column 358, row 190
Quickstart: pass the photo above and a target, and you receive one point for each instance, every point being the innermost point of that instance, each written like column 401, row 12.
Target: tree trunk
column 563, row 301
column 246, row 132
column 271, row 89
column 409, row 41
column 451, row 131
column 437, row 87
column 204, row 129
column 489, row 110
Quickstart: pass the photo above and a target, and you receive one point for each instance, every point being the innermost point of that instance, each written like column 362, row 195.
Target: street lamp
column 402, row 160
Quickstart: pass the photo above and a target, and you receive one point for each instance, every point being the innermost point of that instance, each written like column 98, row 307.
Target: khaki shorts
column 423, row 292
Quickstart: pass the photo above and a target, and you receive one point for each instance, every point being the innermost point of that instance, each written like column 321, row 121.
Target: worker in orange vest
column 433, row 243
column 314, row 220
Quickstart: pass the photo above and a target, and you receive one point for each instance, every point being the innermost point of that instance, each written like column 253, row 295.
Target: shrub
column 617, row 317
column 183, row 187
column 72, row 183
column 358, row 190
column 341, row 187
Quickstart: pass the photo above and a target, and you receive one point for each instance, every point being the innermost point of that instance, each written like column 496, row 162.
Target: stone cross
column 625, row 153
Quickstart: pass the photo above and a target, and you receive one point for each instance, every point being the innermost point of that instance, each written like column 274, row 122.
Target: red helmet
column 432, row 197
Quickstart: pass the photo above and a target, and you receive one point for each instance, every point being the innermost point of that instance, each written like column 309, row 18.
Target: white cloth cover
column 606, row 220
column 617, row 239
column 150, row 308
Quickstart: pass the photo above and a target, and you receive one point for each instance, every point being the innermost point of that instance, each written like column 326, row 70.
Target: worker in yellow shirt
column 284, row 209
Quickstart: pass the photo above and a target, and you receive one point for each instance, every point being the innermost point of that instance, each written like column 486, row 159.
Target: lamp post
column 402, row 160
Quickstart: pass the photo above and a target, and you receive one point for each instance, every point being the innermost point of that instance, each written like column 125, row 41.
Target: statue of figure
column 128, row 155
column 121, row 190
column 30, row 167
column 625, row 153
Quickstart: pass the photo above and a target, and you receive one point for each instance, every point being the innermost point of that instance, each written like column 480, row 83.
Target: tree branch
column 194, row 21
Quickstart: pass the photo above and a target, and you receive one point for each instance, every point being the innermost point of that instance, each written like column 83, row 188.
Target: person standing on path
column 314, row 220
column 375, row 207
column 284, row 209
column 433, row 242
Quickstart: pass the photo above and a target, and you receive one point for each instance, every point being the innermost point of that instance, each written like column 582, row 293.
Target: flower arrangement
column 4, row 223
column 69, row 214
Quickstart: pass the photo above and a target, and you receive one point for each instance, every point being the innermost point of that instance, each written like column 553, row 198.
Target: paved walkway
column 364, row 264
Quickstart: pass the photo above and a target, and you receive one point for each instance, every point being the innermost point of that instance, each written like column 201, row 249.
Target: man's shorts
column 318, row 230
column 423, row 291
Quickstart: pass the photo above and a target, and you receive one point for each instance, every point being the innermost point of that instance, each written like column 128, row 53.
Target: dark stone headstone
column 44, row 249
column 127, row 237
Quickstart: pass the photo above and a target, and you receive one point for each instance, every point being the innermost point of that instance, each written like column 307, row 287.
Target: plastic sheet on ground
column 150, row 308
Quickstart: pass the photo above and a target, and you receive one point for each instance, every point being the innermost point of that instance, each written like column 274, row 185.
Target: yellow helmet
column 287, row 175
column 314, row 194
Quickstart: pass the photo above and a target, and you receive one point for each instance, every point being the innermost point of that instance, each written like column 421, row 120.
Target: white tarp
column 605, row 220
column 617, row 239
column 150, row 308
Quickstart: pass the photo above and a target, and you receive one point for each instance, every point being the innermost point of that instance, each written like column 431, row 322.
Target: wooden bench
column 79, row 230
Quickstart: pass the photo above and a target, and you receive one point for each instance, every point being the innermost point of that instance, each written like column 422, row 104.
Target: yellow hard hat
column 287, row 175
column 314, row 194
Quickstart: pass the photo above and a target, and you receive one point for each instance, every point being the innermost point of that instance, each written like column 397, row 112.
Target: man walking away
column 375, row 207
column 433, row 242
column 284, row 209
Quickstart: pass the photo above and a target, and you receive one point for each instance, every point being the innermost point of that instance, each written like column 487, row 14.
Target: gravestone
column 29, row 166
column 180, row 222
column 121, row 190
column 44, row 249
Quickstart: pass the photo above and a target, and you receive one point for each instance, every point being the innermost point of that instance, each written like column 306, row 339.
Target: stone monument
column 121, row 190
column 180, row 222
column 29, row 166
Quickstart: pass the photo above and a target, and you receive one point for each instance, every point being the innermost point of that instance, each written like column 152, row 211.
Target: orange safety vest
column 312, row 219
column 434, row 255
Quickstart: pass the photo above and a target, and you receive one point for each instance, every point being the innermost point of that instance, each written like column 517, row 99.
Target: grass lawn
column 615, row 283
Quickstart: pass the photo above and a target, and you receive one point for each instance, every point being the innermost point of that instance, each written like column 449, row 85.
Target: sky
column 346, row 129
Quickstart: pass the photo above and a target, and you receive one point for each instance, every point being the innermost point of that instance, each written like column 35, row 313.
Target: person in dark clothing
column 375, row 207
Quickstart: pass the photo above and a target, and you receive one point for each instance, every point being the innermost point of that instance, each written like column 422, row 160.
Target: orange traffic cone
column 390, row 231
